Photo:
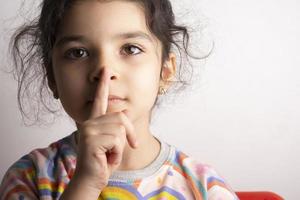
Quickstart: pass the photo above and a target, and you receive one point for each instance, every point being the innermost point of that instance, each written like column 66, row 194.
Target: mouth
column 112, row 99
column 115, row 98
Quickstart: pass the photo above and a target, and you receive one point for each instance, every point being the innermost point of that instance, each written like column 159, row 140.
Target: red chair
column 258, row 196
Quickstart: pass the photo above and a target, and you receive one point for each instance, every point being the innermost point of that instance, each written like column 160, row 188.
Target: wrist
column 78, row 189
column 88, row 183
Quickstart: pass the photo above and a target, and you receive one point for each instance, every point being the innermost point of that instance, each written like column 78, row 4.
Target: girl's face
column 113, row 35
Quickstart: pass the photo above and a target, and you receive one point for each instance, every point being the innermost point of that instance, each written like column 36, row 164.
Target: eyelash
column 69, row 53
column 134, row 46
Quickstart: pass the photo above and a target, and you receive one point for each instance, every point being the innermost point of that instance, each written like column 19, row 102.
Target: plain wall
column 241, row 115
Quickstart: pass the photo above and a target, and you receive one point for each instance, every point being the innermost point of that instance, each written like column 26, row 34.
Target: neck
column 146, row 152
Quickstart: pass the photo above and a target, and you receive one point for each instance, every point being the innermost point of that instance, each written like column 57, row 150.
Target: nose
column 98, row 70
column 96, row 76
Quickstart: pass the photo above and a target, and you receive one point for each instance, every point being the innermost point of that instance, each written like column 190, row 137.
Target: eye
column 132, row 49
column 76, row 53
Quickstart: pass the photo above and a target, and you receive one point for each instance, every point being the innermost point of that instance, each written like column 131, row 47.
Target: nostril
column 113, row 77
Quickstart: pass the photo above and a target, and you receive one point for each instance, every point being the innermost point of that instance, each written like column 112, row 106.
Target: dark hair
column 31, row 47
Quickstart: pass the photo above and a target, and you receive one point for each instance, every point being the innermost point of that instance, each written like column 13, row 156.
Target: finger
column 114, row 155
column 130, row 132
column 123, row 119
column 101, row 97
column 113, row 147
column 110, row 145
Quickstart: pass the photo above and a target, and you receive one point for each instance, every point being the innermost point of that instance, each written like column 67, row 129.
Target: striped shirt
column 45, row 173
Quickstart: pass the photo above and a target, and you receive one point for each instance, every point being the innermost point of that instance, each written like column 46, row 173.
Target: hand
column 102, row 139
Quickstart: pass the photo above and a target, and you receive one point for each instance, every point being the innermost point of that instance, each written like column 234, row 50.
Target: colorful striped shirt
column 45, row 173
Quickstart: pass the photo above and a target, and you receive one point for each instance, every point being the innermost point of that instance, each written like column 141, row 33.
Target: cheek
column 71, row 86
column 146, row 80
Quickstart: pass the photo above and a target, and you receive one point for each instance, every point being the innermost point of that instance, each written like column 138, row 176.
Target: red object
column 258, row 196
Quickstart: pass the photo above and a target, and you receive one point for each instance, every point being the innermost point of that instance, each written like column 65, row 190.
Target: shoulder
column 43, row 160
column 26, row 175
column 56, row 151
column 205, row 181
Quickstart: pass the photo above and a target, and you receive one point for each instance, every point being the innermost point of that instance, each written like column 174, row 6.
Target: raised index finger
column 100, row 103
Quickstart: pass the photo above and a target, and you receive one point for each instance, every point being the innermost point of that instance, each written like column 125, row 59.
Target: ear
column 168, row 71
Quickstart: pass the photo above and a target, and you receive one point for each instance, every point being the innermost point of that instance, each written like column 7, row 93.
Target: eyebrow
column 136, row 34
column 126, row 35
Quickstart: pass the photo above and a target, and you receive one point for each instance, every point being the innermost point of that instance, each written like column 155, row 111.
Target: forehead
column 104, row 18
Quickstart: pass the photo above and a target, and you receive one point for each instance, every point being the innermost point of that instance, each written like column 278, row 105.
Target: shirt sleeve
column 19, row 181
column 217, row 187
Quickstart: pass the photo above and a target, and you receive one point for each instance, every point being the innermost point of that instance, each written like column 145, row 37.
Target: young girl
column 107, row 62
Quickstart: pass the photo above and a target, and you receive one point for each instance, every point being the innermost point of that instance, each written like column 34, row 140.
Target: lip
column 110, row 98
column 114, row 97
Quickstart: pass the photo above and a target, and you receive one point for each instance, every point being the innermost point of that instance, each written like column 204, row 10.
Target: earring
column 162, row 91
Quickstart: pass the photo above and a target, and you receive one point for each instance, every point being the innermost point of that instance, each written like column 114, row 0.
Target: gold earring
column 162, row 91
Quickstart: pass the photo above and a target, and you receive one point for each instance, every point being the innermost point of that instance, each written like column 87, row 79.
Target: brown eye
column 132, row 50
column 77, row 53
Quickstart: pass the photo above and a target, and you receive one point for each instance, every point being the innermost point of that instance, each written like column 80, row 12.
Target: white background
column 241, row 116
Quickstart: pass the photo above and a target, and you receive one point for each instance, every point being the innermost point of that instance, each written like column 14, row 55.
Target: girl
column 107, row 62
